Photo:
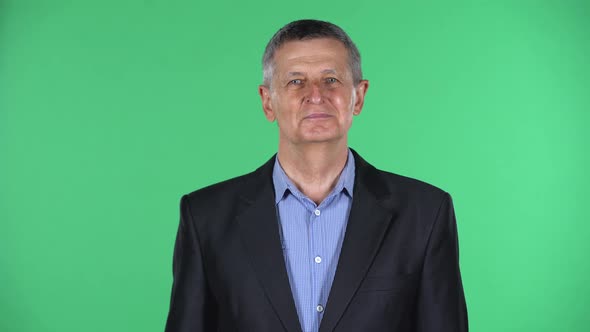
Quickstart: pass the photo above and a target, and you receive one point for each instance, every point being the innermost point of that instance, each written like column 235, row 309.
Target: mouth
column 318, row 116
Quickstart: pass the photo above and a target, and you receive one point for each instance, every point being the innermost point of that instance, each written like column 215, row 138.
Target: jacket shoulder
column 232, row 188
column 219, row 190
column 414, row 190
column 411, row 183
column 385, row 183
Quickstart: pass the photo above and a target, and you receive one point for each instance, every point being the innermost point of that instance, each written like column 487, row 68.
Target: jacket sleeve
column 441, row 301
column 192, row 307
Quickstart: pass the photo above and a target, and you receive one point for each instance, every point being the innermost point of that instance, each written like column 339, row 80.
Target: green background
column 111, row 110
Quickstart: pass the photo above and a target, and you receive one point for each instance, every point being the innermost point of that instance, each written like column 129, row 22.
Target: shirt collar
column 282, row 183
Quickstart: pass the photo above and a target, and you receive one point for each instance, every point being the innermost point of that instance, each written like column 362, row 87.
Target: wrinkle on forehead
column 326, row 66
column 299, row 73
column 329, row 61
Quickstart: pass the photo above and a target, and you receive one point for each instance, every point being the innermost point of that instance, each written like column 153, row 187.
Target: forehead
column 319, row 51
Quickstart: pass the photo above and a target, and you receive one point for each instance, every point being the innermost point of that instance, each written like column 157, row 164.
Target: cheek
column 344, row 102
column 286, row 114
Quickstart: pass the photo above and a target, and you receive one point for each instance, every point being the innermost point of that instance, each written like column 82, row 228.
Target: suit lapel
column 368, row 221
column 260, row 234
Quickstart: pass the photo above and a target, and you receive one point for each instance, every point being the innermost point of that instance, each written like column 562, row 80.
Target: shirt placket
column 314, row 220
column 318, row 253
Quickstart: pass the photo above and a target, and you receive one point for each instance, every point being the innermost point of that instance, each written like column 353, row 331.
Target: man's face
column 312, row 94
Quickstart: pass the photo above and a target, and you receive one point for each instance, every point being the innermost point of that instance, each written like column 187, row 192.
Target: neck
column 314, row 167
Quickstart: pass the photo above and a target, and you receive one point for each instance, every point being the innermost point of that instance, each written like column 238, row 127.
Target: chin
column 321, row 137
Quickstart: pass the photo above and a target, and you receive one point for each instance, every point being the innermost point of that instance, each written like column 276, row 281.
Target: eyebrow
column 295, row 73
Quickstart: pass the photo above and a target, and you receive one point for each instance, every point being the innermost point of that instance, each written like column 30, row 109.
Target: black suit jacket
column 398, row 268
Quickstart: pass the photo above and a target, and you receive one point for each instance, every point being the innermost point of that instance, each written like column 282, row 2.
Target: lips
column 318, row 116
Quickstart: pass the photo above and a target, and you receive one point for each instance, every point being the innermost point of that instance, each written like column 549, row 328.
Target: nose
column 314, row 94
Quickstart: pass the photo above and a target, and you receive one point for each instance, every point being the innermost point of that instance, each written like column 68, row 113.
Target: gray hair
column 310, row 29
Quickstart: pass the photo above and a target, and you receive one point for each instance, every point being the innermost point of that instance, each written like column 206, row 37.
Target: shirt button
column 318, row 259
column 317, row 212
column 319, row 308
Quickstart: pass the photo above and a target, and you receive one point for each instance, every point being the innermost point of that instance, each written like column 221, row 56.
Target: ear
column 264, row 93
column 361, row 91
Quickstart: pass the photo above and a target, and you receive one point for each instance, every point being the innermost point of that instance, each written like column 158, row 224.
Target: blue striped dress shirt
column 311, row 236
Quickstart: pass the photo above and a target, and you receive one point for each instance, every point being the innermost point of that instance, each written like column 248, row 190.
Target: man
column 316, row 239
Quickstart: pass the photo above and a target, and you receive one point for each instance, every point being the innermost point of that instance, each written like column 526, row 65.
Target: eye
column 295, row 82
column 331, row 80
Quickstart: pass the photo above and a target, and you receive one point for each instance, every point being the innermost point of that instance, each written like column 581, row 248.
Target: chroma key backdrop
column 111, row 110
